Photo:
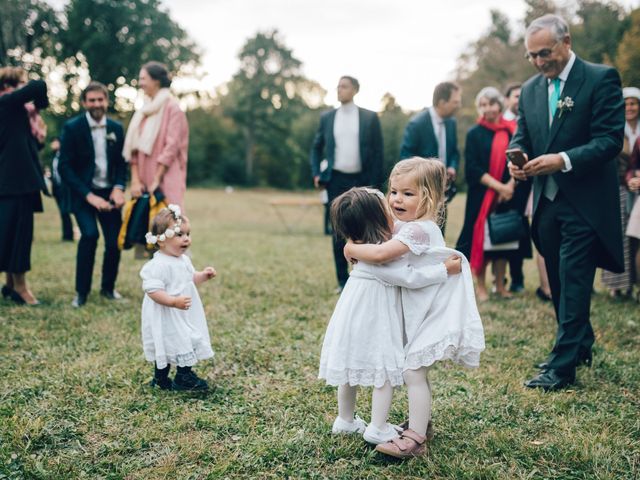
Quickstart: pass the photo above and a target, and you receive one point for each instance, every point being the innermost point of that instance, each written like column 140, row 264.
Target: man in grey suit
column 350, row 139
column 570, row 128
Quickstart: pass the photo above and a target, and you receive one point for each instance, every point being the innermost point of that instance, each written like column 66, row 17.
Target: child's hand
column 453, row 264
column 209, row 272
column 182, row 302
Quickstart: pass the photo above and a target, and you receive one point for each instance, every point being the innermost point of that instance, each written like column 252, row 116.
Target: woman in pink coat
column 158, row 138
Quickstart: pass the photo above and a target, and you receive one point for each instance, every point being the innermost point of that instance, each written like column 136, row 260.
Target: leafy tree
column 392, row 122
column 215, row 148
column 598, row 30
column 264, row 99
column 28, row 32
column 117, row 36
column 628, row 55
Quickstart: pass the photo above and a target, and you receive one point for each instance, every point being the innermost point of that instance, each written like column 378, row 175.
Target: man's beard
column 97, row 113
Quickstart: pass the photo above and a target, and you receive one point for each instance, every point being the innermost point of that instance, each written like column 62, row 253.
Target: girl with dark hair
column 158, row 139
column 363, row 345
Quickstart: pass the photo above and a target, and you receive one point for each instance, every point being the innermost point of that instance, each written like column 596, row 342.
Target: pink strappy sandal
column 409, row 444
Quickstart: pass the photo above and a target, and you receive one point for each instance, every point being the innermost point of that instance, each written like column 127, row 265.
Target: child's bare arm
column 182, row 302
column 372, row 253
column 207, row 274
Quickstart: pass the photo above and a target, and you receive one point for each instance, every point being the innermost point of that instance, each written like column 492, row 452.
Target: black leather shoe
column 583, row 361
column 79, row 300
column 6, row 291
column 111, row 295
column 550, row 380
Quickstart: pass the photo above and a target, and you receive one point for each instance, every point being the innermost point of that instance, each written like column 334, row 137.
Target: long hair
column 361, row 214
column 430, row 177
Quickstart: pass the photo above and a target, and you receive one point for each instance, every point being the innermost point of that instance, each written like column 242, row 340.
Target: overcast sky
column 404, row 47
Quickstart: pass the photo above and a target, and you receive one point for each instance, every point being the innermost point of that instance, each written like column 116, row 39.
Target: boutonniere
column 111, row 137
column 565, row 105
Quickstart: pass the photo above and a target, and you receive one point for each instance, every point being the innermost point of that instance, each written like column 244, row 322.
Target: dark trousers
column 515, row 268
column 63, row 199
column 87, row 218
column 569, row 246
column 340, row 183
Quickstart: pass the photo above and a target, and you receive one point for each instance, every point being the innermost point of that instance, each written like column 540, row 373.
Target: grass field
column 74, row 401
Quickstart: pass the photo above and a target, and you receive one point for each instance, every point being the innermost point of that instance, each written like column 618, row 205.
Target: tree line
column 258, row 128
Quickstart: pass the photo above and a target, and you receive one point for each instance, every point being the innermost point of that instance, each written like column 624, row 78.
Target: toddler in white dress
column 363, row 344
column 174, row 326
column 441, row 321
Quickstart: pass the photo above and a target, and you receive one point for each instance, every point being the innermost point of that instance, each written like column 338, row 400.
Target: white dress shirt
column 99, row 136
column 441, row 134
column 563, row 79
column 346, row 133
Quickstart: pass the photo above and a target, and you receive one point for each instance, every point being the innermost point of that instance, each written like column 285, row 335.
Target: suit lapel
column 571, row 89
column 431, row 133
column 331, row 141
column 361, row 129
column 542, row 112
column 86, row 132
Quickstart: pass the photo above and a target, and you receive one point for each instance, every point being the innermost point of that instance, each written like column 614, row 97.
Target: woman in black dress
column 21, row 177
column 490, row 189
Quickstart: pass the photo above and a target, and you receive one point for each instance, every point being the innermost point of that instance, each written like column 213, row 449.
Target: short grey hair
column 554, row 23
column 492, row 94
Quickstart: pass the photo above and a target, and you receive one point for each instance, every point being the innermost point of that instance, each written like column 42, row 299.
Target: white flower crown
column 169, row 232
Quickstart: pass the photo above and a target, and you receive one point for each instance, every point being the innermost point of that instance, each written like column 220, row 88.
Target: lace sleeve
column 414, row 237
column 152, row 277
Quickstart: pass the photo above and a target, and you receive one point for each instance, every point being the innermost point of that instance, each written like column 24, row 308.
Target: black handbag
column 506, row 227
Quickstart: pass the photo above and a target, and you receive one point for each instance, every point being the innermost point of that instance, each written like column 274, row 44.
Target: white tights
column 380, row 403
column 419, row 393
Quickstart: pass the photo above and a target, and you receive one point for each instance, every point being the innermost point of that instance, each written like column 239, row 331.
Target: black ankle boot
column 187, row 380
column 161, row 378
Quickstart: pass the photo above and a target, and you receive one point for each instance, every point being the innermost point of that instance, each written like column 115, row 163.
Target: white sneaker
column 341, row 426
column 376, row 436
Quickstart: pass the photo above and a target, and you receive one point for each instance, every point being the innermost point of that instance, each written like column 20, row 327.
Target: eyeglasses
column 543, row 54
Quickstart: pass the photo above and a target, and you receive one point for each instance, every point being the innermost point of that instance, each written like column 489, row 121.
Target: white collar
column 348, row 107
column 564, row 74
column 435, row 118
column 93, row 123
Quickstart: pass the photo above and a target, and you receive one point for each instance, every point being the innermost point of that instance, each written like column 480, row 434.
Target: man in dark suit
column 433, row 132
column 92, row 165
column 350, row 139
column 570, row 128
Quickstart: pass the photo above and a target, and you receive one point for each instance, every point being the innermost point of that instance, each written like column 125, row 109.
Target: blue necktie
column 550, row 189
column 554, row 97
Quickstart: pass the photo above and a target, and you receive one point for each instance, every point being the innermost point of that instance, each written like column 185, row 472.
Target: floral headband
column 169, row 232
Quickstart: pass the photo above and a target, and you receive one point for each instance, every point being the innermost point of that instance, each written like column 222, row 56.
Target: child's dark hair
column 361, row 214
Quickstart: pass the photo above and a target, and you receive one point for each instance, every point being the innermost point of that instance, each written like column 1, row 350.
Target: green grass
column 74, row 404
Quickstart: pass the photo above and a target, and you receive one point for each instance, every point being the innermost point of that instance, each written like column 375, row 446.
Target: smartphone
column 516, row 157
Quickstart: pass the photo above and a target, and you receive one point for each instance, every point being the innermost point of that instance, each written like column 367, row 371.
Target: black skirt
column 16, row 231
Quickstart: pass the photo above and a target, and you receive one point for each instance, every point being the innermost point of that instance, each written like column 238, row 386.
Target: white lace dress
column 170, row 335
column 363, row 343
column 441, row 320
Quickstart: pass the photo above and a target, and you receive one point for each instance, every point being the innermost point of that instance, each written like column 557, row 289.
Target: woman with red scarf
column 490, row 189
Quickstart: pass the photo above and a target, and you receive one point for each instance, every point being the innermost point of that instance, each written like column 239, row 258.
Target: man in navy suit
column 433, row 131
column 570, row 128
column 92, row 165
column 350, row 139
